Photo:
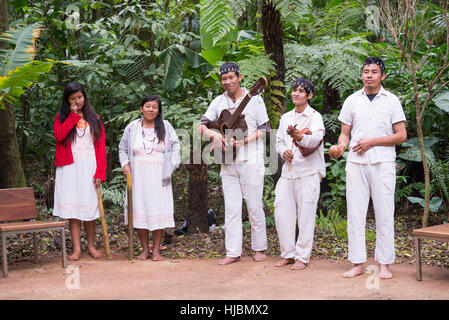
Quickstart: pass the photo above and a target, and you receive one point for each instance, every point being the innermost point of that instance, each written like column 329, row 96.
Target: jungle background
column 123, row 50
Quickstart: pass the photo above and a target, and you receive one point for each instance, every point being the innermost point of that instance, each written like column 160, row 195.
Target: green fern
column 253, row 67
column 216, row 20
column 292, row 11
column 274, row 105
column 342, row 71
column 440, row 172
column 331, row 123
column 336, row 60
column 238, row 7
column 114, row 191
column 342, row 19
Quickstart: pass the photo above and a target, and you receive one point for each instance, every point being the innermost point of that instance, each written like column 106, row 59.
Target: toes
column 143, row 256
column 386, row 275
column 298, row 265
column 75, row 256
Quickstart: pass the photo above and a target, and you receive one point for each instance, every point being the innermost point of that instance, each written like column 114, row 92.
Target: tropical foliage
column 123, row 50
column 17, row 69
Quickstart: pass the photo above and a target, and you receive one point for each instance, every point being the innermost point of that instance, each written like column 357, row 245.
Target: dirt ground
column 204, row 279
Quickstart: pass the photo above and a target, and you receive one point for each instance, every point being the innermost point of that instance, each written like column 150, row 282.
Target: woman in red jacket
column 80, row 165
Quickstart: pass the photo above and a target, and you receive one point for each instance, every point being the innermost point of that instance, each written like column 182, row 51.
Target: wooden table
column 437, row 233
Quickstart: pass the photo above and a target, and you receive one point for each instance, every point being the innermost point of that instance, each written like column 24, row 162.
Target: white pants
column 243, row 181
column 296, row 200
column 379, row 181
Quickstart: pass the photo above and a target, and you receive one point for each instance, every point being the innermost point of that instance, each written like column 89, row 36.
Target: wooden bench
column 438, row 233
column 19, row 204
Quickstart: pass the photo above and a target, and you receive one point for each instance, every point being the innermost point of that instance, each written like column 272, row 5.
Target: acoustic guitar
column 233, row 125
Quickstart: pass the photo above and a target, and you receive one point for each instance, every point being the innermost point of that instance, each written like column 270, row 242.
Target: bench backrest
column 17, row 204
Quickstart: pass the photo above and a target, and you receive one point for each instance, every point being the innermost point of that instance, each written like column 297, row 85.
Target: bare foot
column 355, row 271
column 228, row 260
column 143, row 255
column 161, row 247
column 94, row 253
column 157, row 257
column 299, row 265
column 76, row 255
column 259, row 256
column 284, row 262
column 384, row 272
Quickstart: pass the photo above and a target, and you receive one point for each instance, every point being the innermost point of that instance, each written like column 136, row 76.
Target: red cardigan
column 64, row 152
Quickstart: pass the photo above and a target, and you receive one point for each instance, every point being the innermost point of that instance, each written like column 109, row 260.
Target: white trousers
column 243, row 181
column 379, row 181
column 296, row 202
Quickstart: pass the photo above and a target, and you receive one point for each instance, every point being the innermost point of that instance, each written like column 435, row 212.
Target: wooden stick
column 292, row 150
column 103, row 224
column 129, row 189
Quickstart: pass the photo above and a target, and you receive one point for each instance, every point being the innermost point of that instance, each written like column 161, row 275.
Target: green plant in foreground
column 336, row 225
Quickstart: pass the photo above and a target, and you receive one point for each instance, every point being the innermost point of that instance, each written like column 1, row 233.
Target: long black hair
column 158, row 122
column 88, row 113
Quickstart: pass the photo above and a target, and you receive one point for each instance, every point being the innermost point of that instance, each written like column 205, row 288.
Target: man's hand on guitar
column 218, row 140
column 239, row 143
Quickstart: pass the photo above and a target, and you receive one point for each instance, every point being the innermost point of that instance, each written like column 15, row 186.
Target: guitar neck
column 239, row 110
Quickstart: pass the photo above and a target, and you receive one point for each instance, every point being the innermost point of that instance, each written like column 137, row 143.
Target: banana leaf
column 13, row 84
column 24, row 42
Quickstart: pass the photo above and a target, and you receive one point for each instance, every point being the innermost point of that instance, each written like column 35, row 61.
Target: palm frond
column 24, row 41
column 13, row 84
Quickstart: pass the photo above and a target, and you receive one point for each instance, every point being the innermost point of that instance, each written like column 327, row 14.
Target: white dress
column 152, row 202
column 75, row 193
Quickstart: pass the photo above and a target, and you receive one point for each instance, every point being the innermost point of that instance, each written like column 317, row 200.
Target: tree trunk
column 111, row 139
column 330, row 98
column 23, row 136
column 425, row 217
column 11, row 171
column 197, row 216
column 274, row 47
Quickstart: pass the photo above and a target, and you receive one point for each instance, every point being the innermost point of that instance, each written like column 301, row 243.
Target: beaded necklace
column 83, row 122
column 144, row 138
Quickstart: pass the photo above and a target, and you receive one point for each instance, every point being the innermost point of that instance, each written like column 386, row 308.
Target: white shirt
column 302, row 166
column 255, row 115
column 370, row 119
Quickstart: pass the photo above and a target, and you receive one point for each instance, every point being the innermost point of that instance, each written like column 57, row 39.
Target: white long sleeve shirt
column 302, row 166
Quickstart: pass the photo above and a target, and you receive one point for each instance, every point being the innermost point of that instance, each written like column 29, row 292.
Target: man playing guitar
column 242, row 177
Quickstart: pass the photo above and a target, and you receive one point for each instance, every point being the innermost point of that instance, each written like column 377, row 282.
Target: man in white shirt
column 374, row 120
column 298, row 188
column 243, row 178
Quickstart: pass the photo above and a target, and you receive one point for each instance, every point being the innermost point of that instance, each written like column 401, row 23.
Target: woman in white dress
column 80, row 162
column 150, row 150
